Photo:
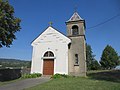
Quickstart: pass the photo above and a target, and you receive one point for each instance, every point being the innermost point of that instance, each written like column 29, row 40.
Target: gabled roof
column 51, row 35
column 75, row 17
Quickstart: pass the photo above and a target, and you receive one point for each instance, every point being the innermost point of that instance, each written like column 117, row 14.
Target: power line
column 105, row 21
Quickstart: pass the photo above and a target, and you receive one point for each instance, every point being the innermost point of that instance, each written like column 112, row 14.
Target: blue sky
column 36, row 14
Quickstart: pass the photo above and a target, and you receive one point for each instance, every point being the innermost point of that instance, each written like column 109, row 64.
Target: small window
column 49, row 54
column 76, row 59
column 75, row 30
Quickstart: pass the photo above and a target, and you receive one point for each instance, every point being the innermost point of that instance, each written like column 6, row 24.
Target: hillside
column 15, row 63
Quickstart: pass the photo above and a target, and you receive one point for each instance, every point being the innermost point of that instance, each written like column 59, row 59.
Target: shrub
column 59, row 76
column 34, row 75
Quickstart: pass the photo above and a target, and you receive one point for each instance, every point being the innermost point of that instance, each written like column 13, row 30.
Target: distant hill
column 14, row 63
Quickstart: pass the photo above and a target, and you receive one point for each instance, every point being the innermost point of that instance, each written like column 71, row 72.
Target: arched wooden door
column 48, row 63
column 48, row 67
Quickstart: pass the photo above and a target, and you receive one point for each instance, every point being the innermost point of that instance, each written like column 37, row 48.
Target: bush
column 59, row 76
column 34, row 75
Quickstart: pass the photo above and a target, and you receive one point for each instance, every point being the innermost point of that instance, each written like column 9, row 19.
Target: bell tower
column 77, row 47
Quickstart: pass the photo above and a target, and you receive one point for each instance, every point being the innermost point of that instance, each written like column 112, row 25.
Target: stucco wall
column 77, row 47
column 50, row 40
column 60, row 51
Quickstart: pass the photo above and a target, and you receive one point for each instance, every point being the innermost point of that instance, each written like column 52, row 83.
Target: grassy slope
column 106, row 80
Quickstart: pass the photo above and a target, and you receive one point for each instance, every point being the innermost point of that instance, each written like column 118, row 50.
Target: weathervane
column 50, row 23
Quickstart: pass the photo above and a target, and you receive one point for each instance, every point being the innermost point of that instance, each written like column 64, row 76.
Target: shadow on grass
column 113, row 75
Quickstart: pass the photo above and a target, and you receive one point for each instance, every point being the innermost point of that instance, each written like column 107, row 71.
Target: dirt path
column 22, row 84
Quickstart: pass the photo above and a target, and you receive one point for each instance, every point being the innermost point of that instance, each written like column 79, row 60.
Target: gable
column 75, row 17
column 51, row 35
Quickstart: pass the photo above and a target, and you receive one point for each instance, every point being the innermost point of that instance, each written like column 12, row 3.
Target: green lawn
column 103, row 80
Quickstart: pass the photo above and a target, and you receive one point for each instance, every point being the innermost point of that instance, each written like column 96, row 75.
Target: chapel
column 56, row 53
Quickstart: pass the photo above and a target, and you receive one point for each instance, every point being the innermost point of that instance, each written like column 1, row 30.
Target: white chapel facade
column 53, row 52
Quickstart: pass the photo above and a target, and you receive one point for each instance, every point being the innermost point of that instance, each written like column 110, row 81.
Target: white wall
column 60, row 51
column 50, row 40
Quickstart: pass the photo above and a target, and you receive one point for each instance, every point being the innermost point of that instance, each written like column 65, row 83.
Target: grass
column 96, row 80
column 112, row 76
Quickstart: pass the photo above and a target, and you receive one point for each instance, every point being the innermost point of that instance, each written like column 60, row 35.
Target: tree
column 109, row 58
column 89, row 56
column 9, row 24
column 92, row 64
column 95, row 65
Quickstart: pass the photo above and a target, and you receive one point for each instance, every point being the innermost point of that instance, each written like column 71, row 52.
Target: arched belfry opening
column 75, row 30
column 48, row 63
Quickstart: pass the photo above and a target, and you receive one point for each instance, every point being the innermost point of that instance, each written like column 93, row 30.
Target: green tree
column 89, row 56
column 109, row 58
column 95, row 65
column 92, row 64
column 9, row 24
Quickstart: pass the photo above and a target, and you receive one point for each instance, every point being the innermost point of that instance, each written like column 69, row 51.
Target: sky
column 102, row 23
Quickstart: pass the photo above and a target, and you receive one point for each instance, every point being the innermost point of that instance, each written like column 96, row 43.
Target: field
column 95, row 80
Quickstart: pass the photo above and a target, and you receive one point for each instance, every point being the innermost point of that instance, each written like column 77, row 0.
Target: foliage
column 95, row 65
column 59, row 76
column 15, row 63
column 9, row 24
column 80, row 83
column 92, row 64
column 109, row 58
column 118, row 61
column 34, row 75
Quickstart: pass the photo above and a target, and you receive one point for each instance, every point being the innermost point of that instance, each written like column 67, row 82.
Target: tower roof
column 75, row 17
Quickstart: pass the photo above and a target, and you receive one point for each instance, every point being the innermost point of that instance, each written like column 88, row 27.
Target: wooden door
column 48, row 67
